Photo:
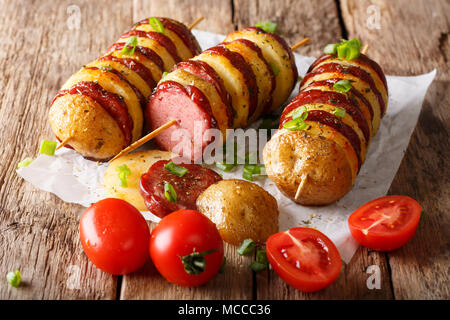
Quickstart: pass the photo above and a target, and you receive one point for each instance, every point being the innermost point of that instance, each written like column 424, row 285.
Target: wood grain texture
column 296, row 19
column 218, row 14
column 39, row 232
column 413, row 39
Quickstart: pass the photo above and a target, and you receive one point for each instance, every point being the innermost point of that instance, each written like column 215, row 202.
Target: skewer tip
column 299, row 44
column 196, row 22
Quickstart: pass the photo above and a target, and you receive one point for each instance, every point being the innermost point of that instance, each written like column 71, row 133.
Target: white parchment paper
column 76, row 180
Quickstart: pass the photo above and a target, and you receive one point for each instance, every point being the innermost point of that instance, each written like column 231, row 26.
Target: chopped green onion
column 156, row 24
column 346, row 49
column 330, row 48
column 261, row 256
column 247, row 246
column 274, row 68
column 48, row 147
column 14, row 278
column 124, row 172
column 300, row 78
column 106, row 68
column 261, row 262
column 169, row 193
column 227, row 167
column 175, row 169
column 130, row 45
column 300, row 113
column 165, row 73
column 25, row 162
column 342, row 86
column 247, row 176
column 294, row 125
column 333, row 100
column 258, row 266
column 339, row 112
column 267, row 26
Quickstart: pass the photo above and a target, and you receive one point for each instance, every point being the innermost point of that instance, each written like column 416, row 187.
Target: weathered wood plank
column 218, row 15
column 237, row 281
column 296, row 19
column 413, row 39
column 39, row 232
column 318, row 20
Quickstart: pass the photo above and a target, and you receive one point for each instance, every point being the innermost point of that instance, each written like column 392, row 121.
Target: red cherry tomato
column 305, row 258
column 186, row 248
column 114, row 236
column 386, row 223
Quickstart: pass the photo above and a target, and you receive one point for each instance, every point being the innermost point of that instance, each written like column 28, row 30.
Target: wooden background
column 39, row 233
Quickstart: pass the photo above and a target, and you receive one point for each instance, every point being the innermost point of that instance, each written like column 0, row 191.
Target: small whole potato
column 240, row 210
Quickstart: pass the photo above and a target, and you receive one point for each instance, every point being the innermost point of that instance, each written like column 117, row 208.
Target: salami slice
column 187, row 188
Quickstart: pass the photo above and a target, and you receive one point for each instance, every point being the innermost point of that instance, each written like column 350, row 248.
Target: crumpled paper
column 76, row 180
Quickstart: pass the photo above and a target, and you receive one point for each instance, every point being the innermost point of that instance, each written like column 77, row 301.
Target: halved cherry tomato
column 305, row 258
column 186, row 248
column 386, row 223
column 114, row 236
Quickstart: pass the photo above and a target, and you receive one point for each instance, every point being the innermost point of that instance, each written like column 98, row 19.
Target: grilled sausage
column 227, row 86
column 100, row 107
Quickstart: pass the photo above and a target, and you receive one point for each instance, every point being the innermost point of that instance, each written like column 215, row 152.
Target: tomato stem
column 195, row 262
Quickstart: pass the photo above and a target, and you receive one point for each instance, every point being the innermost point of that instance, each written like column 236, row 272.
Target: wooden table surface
column 42, row 45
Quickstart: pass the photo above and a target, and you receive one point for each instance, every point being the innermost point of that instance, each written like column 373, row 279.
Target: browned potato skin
column 72, row 115
column 240, row 210
column 291, row 155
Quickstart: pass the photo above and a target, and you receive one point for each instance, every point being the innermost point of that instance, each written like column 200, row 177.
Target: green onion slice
column 14, row 278
column 261, row 256
column 156, row 24
column 165, row 73
column 175, row 169
column 25, row 162
column 300, row 113
column 130, row 45
column 274, row 68
column 247, row 246
column 258, row 266
column 169, row 193
column 346, row 49
column 339, row 112
column 294, row 125
column 227, row 167
column 106, row 68
column 124, row 172
column 48, row 147
column 267, row 26
column 330, row 48
column 342, row 86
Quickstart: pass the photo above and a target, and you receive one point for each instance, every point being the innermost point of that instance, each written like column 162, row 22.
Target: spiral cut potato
column 318, row 164
column 250, row 73
column 99, row 110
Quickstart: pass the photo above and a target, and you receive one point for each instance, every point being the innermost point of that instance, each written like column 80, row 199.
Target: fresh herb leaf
column 267, row 26
column 175, row 169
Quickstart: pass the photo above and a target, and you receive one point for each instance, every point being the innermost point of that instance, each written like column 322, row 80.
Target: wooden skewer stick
column 196, row 22
column 299, row 44
column 63, row 143
column 144, row 139
column 300, row 186
column 364, row 50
